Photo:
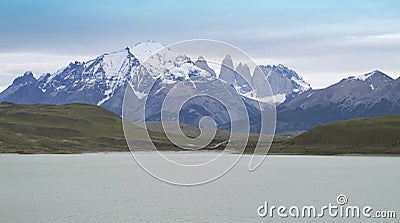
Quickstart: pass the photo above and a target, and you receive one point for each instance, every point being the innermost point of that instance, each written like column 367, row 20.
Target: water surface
column 113, row 188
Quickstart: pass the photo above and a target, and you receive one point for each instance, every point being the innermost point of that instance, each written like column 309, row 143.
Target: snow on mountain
column 284, row 83
column 349, row 92
column 186, row 70
column 94, row 81
column 102, row 81
column 156, row 57
column 202, row 63
column 375, row 78
column 238, row 78
column 113, row 69
column 366, row 95
column 284, row 80
column 196, row 80
column 366, row 76
column 143, row 50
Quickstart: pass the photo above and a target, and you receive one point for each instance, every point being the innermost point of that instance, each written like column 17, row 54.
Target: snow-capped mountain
column 367, row 95
column 102, row 81
column 149, row 68
column 94, row 81
column 195, row 78
column 285, row 83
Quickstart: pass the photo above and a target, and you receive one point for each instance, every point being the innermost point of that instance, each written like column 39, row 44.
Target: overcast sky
column 324, row 41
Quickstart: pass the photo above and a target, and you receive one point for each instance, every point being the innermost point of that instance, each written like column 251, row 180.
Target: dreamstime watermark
column 176, row 88
column 339, row 209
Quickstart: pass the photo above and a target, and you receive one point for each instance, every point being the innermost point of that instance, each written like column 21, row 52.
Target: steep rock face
column 259, row 82
column 239, row 79
column 227, row 73
column 244, row 72
column 202, row 64
column 284, row 81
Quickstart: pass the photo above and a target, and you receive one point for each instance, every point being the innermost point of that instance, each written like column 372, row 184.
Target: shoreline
column 201, row 152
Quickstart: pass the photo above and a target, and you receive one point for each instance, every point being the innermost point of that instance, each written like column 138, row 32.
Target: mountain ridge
column 369, row 95
column 102, row 80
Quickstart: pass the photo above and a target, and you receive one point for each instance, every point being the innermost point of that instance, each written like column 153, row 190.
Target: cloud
column 323, row 40
column 321, row 62
column 13, row 65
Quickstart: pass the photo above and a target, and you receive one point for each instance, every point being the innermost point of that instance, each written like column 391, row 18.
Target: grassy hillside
column 72, row 128
column 77, row 128
column 379, row 135
column 59, row 129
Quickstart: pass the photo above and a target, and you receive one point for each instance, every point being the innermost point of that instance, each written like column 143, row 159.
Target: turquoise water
column 113, row 188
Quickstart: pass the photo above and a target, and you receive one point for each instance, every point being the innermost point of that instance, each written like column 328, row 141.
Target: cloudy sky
column 324, row 41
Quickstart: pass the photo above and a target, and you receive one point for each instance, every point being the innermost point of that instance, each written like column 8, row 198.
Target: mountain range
column 102, row 76
column 102, row 81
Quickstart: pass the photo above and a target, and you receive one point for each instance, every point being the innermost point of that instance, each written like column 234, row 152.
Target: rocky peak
column 244, row 71
column 27, row 78
column 227, row 73
column 202, row 63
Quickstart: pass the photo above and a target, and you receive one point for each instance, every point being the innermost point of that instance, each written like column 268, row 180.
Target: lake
column 113, row 188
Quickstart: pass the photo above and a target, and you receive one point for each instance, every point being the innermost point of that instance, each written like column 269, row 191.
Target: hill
column 68, row 128
column 380, row 135
column 73, row 128
column 78, row 128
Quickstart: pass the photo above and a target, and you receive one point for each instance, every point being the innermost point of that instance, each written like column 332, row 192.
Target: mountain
column 26, row 79
column 162, row 100
column 101, row 81
column 148, row 65
column 239, row 79
column 202, row 64
column 368, row 95
column 284, row 82
column 92, row 82
column 153, row 70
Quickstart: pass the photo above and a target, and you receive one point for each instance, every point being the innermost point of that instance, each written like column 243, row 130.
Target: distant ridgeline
column 370, row 95
column 102, row 81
